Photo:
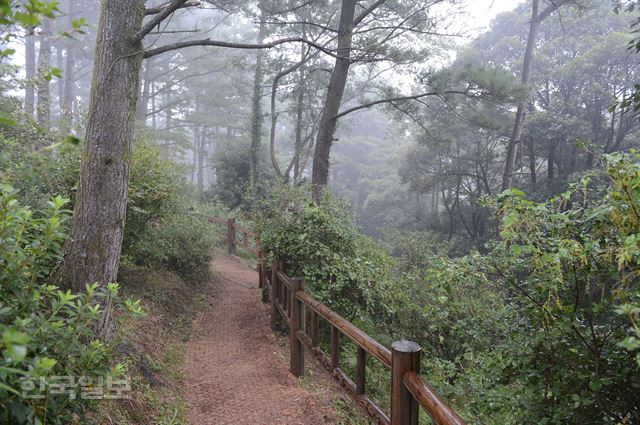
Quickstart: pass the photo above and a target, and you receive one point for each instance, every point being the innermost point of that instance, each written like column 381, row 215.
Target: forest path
column 235, row 371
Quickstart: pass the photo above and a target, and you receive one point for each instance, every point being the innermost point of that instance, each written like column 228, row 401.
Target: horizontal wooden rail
column 243, row 230
column 365, row 403
column 352, row 332
column 283, row 313
column 436, row 408
column 408, row 390
column 289, row 302
column 233, row 229
column 286, row 280
column 245, row 243
column 215, row 219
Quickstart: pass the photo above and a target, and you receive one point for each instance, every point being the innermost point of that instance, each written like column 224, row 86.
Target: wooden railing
column 240, row 237
column 289, row 306
column 237, row 235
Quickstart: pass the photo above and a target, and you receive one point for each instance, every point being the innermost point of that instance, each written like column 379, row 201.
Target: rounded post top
column 406, row 346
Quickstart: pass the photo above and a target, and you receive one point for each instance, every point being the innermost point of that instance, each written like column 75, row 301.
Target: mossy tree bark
column 256, row 106
column 92, row 252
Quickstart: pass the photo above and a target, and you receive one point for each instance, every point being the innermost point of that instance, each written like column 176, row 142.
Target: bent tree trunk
column 92, row 252
column 328, row 120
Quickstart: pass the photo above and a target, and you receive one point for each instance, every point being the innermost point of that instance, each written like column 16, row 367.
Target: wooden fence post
column 231, row 236
column 361, row 370
column 335, row 347
column 314, row 328
column 260, row 265
column 262, row 268
column 275, row 295
column 296, row 319
column 405, row 357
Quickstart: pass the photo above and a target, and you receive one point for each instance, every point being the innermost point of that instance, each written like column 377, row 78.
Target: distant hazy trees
column 538, row 15
column 582, row 67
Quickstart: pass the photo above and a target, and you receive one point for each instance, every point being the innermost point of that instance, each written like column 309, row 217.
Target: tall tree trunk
column 532, row 162
column 537, row 17
column 214, row 148
column 337, row 83
column 30, row 72
column 167, row 115
column 59, row 81
column 299, row 124
column 68, row 100
column 69, row 97
column 201, row 156
column 256, row 106
column 154, row 122
column 92, row 252
column 143, row 101
column 43, row 108
column 551, row 159
column 196, row 152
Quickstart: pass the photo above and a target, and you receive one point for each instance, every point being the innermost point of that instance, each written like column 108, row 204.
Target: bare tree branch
column 274, row 115
column 367, row 12
column 217, row 43
column 159, row 17
column 399, row 99
column 555, row 5
column 158, row 9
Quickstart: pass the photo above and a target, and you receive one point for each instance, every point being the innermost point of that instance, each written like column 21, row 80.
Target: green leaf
column 9, row 389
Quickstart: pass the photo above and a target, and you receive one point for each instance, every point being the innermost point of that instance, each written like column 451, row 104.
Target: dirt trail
column 235, row 372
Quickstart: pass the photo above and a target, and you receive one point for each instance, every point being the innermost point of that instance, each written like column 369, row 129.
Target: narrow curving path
column 235, row 372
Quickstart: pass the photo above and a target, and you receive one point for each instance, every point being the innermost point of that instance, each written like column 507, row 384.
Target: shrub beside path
column 235, row 371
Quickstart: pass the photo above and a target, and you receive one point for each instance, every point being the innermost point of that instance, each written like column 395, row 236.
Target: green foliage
column 321, row 243
column 45, row 332
column 181, row 242
column 540, row 329
column 156, row 190
column 232, row 173
column 632, row 101
column 449, row 306
column 34, row 170
column 156, row 185
column 161, row 229
column 233, row 188
column 157, row 232
column 631, row 311
column 27, row 14
column 535, row 331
